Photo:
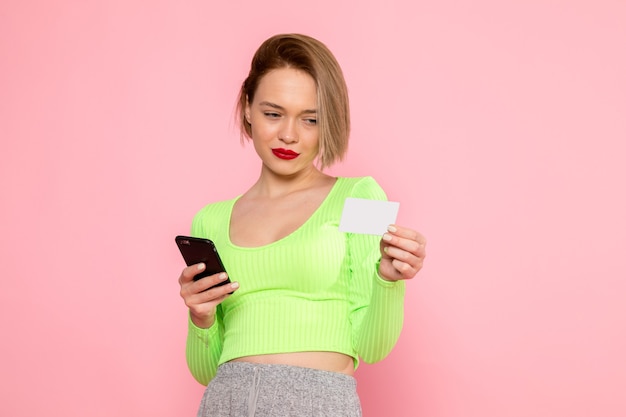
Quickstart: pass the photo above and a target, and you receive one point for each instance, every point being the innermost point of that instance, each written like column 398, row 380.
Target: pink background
column 500, row 126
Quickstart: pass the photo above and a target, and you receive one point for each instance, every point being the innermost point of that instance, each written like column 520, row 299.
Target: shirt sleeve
column 376, row 305
column 204, row 346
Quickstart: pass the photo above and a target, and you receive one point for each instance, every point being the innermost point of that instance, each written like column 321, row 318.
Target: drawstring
column 254, row 392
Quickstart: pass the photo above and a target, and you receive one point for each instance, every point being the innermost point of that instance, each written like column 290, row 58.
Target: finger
column 394, row 270
column 207, row 293
column 406, row 271
column 191, row 288
column 408, row 245
column 406, row 233
column 402, row 255
column 190, row 272
column 407, row 239
column 210, row 281
column 217, row 292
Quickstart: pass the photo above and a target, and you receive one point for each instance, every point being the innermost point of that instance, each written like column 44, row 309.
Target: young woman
column 308, row 300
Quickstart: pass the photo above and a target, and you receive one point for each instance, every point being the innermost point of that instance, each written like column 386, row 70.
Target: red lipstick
column 284, row 153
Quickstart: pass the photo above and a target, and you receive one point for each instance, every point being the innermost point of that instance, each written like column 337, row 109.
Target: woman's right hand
column 201, row 300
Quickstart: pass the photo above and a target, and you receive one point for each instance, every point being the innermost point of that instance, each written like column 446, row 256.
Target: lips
column 284, row 153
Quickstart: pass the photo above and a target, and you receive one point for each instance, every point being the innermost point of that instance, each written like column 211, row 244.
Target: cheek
column 313, row 141
column 262, row 131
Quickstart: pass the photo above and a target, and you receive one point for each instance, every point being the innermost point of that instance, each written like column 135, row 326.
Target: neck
column 272, row 185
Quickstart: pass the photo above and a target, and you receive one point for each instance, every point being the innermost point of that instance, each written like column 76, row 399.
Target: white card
column 370, row 217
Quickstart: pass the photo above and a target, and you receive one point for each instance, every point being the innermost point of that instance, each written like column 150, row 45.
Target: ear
column 246, row 111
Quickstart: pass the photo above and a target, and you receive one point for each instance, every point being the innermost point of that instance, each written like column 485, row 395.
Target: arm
column 205, row 335
column 204, row 348
column 376, row 305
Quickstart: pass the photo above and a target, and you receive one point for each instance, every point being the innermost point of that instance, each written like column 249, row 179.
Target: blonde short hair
column 311, row 56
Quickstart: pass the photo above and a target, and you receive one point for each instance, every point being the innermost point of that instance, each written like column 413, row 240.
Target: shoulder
column 212, row 215
column 362, row 187
column 217, row 207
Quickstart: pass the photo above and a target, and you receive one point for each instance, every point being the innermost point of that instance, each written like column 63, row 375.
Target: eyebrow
column 278, row 107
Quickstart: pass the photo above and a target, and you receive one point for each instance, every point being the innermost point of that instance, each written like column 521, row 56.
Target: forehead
column 287, row 87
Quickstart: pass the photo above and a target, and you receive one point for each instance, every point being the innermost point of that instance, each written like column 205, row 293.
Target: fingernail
column 387, row 237
column 392, row 228
column 386, row 249
column 223, row 276
column 234, row 285
column 201, row 267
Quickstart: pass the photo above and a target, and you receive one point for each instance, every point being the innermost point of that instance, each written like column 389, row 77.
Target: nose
column 288, row 132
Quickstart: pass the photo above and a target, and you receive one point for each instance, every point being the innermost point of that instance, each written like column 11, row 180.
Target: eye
column 271, row 115
column 311, row 122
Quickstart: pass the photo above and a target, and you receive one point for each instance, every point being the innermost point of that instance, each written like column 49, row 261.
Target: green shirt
column 316, row 289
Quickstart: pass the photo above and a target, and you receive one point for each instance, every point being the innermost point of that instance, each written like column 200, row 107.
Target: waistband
column 282, row 372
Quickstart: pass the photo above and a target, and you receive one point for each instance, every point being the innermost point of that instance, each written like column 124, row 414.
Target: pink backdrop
column 499, row 126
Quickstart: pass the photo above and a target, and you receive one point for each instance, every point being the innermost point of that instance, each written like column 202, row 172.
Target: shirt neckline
column 295, row 232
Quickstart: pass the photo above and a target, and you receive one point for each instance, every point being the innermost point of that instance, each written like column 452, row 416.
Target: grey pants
column 243, row 389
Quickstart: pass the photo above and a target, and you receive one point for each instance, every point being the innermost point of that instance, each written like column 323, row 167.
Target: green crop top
column 316, row 289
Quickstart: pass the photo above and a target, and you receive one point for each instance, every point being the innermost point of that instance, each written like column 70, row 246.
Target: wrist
column 381, row 276
column 204, row 322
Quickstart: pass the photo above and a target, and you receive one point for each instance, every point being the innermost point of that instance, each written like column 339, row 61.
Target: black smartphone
column 196, row 250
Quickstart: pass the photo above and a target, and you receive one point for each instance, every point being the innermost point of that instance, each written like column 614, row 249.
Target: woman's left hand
column 403, row 251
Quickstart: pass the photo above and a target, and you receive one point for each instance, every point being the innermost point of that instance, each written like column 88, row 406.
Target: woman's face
column 283, row 119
